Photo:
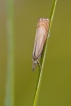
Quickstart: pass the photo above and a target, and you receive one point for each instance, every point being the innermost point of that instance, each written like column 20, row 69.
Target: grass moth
column 40, row 39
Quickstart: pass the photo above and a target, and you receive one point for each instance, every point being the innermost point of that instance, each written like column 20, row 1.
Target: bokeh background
column 56, row 82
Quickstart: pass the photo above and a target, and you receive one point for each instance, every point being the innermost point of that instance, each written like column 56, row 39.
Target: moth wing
column 34, row 49
column 39, row 46
column 39, row 42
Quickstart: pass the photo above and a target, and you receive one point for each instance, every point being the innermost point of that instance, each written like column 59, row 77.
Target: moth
column 42, row 33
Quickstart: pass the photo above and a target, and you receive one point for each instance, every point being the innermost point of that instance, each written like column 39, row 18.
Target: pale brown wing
column 39, row 42
column 41, row 36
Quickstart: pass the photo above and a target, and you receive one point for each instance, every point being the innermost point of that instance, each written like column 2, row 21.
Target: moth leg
column 39, row 64
column 48, row 35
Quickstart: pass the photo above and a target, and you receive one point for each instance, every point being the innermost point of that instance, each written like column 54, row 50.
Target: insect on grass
column 40, row 39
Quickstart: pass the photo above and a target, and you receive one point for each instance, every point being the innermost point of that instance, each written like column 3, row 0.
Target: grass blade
column 9, row 99
column 43, row 56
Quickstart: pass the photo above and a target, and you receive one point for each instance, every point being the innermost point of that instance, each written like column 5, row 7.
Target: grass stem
column 43, row 56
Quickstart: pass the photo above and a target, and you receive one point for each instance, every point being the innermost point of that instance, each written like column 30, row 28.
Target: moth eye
column 40, row 19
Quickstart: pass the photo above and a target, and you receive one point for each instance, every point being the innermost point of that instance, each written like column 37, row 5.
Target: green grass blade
column 9, row 98
column 52, row 12
column 43, row 56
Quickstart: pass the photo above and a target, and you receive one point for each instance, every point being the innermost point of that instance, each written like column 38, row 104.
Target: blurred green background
column 56, row 81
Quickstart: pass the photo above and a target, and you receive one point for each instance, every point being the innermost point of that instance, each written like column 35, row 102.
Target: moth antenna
column 39, row 64
column 34, row 65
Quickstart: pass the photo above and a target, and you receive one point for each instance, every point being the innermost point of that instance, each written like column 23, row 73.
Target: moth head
column 43, row 19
